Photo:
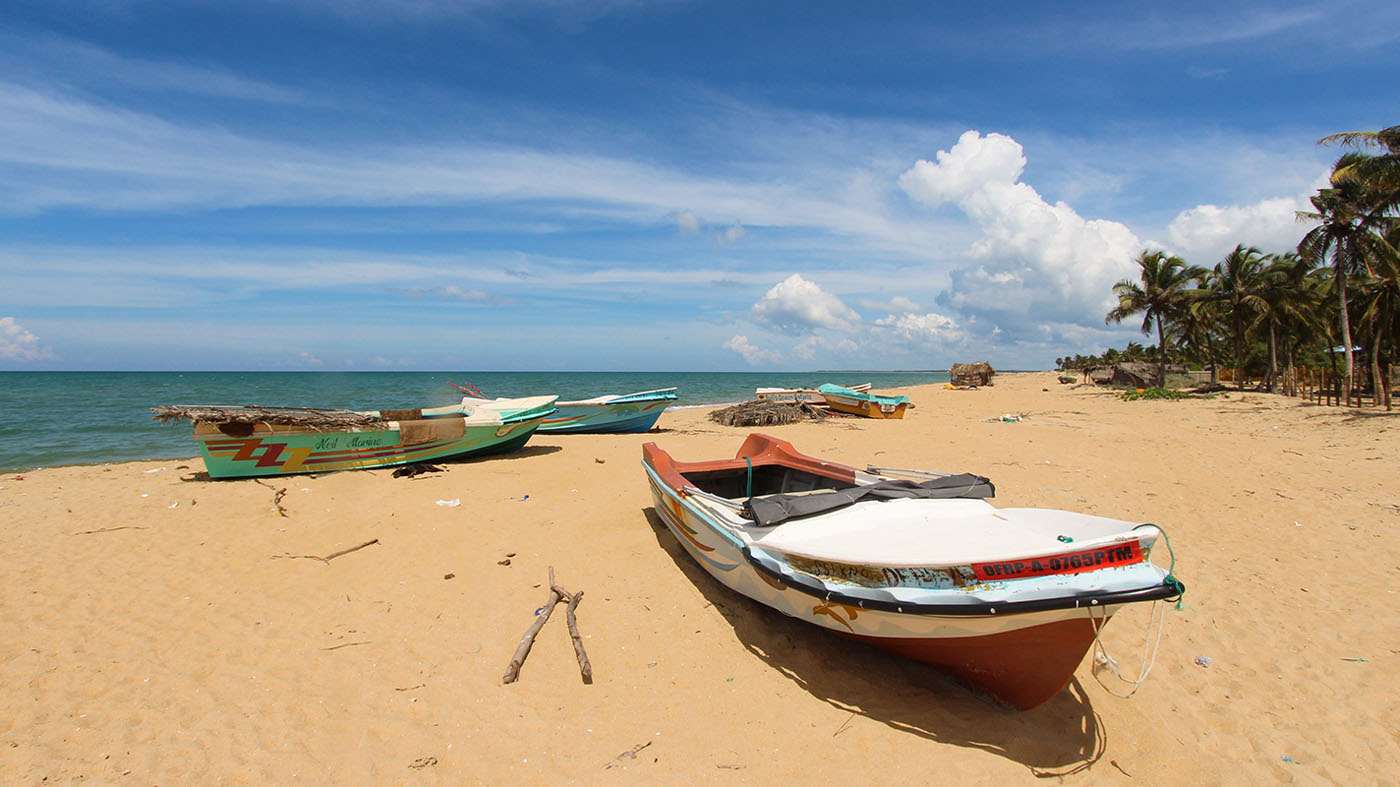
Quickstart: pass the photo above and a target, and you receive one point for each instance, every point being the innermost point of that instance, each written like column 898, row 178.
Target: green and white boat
column 248, row 441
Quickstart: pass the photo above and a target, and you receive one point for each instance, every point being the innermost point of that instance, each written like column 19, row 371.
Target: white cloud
column 1034, row 259
column 922, row 330
column 732, row 234
column 899, row 304
column 795, row 305
column 687, row 222
column 17, row 344
column 1206, row 233
column 809, row 348
column 753, row 355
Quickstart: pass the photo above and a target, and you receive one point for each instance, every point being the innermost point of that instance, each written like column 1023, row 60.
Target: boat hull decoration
column 625, row 414
column 252, row 450
column 1008, row 601
column 863, row 403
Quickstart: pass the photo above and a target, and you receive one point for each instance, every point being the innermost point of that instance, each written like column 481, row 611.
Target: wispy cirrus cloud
column 56, row 59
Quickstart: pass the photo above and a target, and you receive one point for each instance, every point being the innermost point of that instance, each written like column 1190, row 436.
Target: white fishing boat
column 1007, row 600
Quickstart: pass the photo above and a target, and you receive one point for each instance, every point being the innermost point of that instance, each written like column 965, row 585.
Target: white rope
column 1103, row 661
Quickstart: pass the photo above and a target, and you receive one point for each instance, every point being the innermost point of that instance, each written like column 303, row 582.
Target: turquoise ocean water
column 66, row 418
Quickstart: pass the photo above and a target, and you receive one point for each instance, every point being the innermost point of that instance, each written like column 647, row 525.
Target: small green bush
column 1153, row 393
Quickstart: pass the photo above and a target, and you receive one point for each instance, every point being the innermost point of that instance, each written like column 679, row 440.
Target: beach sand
column 158, row 628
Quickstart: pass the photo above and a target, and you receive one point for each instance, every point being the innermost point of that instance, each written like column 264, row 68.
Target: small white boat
column 1007, row 600
column 796, row 395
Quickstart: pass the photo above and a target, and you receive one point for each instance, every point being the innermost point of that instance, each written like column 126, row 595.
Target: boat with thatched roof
column 247, row 441
column 1007, row 600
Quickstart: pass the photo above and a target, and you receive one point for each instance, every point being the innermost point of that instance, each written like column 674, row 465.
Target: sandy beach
column 157, row 627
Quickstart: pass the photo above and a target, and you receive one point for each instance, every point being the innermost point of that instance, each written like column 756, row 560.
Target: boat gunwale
column 1159, row 592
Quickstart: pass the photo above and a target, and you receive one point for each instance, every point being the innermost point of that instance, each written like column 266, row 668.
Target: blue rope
column 748, row 487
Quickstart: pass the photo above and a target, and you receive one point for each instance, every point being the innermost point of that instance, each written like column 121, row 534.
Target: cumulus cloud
column 1206, row 233
column 753, row 355
column 17, row 344
column 1033, row 258
column 922, row 330
column 795, row 305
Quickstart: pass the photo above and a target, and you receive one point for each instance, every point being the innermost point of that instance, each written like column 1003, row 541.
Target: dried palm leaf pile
column 764, row 413
column 309, row 417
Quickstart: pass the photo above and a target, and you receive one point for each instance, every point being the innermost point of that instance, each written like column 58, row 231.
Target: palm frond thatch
column 965, row 374
column 309, row 417
column 765, row 413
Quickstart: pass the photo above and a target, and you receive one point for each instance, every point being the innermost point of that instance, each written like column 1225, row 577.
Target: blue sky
column 628, row 185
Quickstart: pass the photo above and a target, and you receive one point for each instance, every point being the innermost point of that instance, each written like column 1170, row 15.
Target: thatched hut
column 969, row 374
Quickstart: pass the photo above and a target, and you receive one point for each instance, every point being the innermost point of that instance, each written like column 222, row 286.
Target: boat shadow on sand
column 527, row 452
column 1061, row 737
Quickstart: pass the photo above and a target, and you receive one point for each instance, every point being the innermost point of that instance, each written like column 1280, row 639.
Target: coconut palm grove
column 1330, row 310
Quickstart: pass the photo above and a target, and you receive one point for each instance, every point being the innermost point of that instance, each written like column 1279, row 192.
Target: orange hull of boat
column 1022, row 668
column 868, row 409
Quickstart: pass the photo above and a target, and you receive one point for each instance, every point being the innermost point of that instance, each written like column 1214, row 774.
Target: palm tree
column 1345, row 231
column 1279, row 301
column 1380, row 173
column 1159, row 296
column 1379, row 309
column 1233, row 285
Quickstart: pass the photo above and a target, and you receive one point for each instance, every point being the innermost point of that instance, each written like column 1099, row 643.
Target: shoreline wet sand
column 159, row 627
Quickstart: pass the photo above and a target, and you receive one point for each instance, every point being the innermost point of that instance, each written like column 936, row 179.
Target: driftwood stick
column 346, row 645
column 328, row 558
column 334, row 555
column 584, row 667
column 276, row 496
column 523, row 649
column 630, row 754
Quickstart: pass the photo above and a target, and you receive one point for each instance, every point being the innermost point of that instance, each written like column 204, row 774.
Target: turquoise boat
column 613, row 414
column 863, row 403
column 242, row 442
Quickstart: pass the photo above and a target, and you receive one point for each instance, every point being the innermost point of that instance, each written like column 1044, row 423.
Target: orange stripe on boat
column 1067, row 563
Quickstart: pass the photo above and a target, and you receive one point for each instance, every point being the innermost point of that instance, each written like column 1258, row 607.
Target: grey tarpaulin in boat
column 772, row 510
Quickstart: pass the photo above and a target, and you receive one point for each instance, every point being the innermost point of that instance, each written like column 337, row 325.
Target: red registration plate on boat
column 1067, row 563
